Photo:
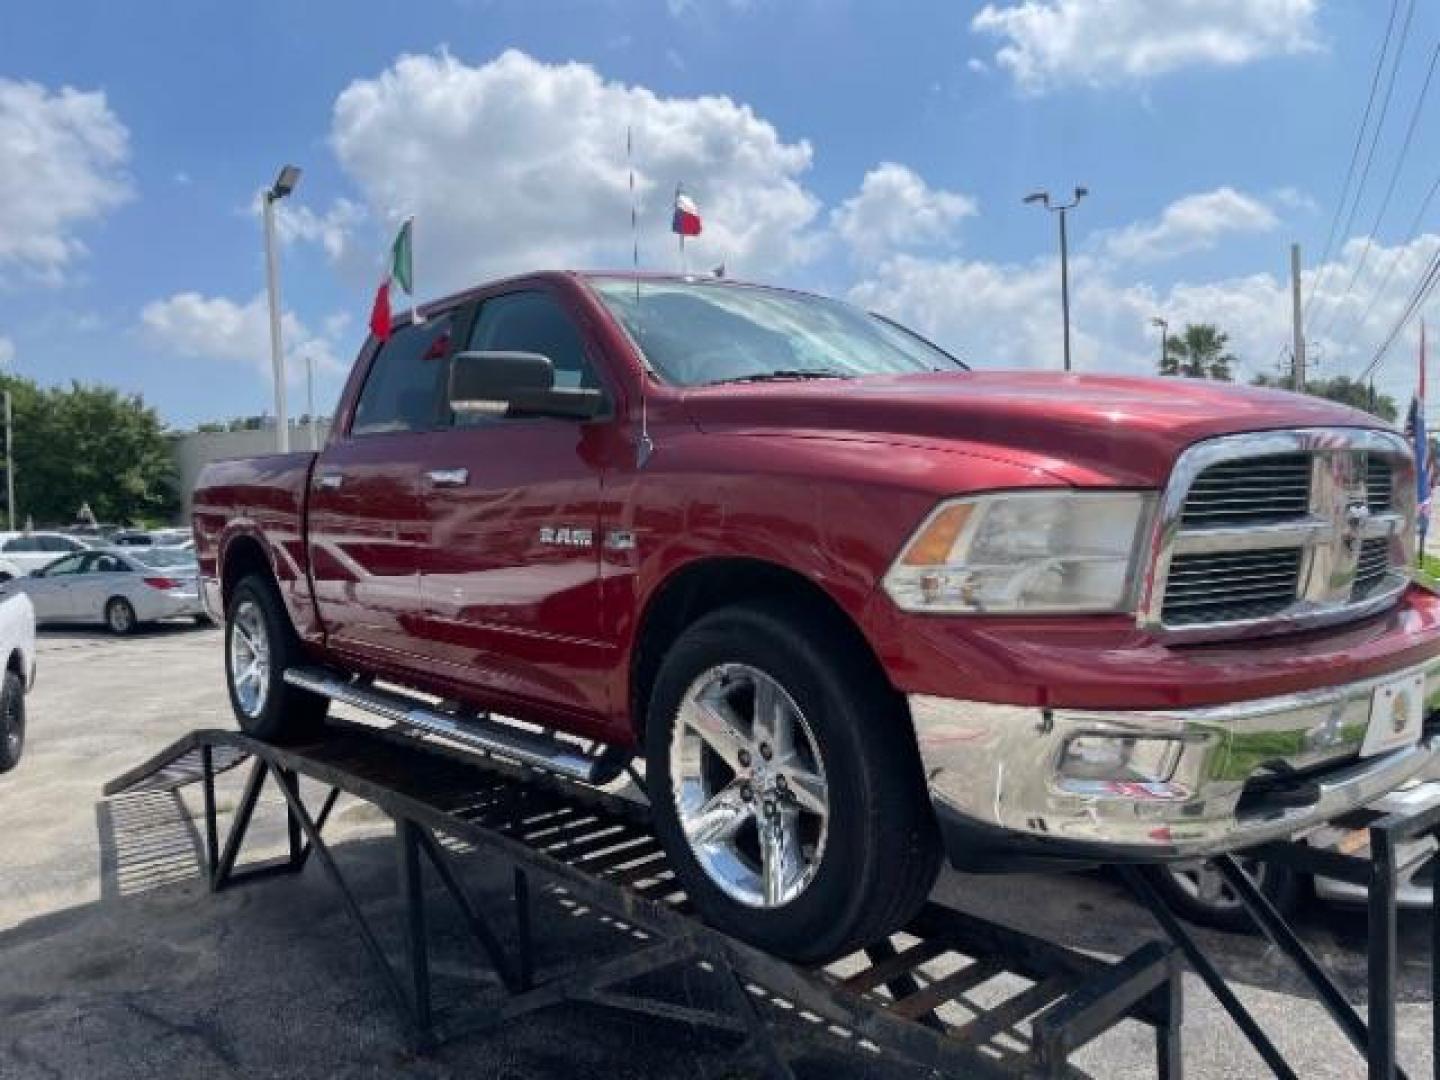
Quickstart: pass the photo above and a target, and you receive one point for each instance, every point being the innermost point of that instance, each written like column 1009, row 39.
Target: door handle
column 329, row 481
column 448, row 477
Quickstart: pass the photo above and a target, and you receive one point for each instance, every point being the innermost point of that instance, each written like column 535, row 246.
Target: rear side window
column 21, row 544
column 534, row 322
column 57, row 543
column 403, row 391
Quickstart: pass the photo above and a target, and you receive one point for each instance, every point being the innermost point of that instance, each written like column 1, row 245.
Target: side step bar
column 527, row 747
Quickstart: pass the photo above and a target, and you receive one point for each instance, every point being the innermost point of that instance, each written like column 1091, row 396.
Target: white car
column 27, row 552
column 119, row 589
column 17, row 648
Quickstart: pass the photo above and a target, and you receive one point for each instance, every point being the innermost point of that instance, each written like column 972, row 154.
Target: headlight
column 1024, row 552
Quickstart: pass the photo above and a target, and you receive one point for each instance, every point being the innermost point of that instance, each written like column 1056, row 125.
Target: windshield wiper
column 782, row 374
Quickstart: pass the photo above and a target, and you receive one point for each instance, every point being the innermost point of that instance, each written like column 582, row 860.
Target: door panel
column 364, row 513
column 510, row 585
column 364, row 524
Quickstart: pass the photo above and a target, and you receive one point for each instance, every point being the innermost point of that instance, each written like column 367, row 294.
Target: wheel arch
column 708, row 584
column 243, row 555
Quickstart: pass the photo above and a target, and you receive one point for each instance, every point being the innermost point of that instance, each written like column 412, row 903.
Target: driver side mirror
column 515, row 384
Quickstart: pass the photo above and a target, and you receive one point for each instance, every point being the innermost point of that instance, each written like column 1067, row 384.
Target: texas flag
column 686, row 220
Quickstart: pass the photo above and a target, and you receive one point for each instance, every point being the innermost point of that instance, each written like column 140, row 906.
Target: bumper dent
column 994, row 774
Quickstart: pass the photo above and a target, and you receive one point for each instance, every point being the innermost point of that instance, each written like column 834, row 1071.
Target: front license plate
column 1397, row 710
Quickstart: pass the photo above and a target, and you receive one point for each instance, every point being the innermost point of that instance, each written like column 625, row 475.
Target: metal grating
column 1372, row 567
column 1249, row 491
column 1378, row 484
column 1228, row 586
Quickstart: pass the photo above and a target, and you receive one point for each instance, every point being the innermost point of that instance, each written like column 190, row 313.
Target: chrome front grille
column 1378, row 484
column 1372, row 567
column 1250, row 491
column 1281, row 530
column 1205, row 588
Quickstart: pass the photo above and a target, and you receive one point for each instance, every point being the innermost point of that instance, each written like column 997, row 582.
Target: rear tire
column 1197, row 892
column 120, row 616
column 12, row 720
column 260, row 644
column 851, row 830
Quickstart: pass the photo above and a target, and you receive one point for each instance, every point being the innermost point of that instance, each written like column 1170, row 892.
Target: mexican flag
column 399, row 272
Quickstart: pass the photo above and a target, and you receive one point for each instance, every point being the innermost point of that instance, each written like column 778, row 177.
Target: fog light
column 1120, row 758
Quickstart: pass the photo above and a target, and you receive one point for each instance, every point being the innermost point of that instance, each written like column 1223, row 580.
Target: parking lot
column 117, row 962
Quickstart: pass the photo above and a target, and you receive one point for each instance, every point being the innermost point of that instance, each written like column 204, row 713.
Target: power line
column 1394, row 264
column 1426, row 285
column 1389, row 193
column 1354, row 156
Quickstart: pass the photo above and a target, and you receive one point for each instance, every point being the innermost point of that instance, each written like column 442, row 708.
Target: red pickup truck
column 853, row 605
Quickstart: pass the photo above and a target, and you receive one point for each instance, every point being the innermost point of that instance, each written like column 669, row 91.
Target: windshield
column 162, row 557
column 693, row 333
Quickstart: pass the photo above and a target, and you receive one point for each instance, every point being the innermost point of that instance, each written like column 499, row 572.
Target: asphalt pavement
column 115, row 961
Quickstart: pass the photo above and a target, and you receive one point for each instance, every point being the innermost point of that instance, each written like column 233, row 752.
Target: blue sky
column 873, row 150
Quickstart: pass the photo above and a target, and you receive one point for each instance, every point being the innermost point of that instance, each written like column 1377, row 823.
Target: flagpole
column 415, row 318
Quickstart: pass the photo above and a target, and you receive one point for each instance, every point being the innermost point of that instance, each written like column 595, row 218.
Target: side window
column 534, row 322
column 20, row 544
column 68, row 565
column 104, row 564
column 58, row 544
column 403, row 390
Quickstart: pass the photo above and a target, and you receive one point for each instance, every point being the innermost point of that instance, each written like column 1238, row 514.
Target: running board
column 527, row 747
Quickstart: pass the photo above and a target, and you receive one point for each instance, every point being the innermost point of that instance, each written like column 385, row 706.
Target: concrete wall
column 194, row 450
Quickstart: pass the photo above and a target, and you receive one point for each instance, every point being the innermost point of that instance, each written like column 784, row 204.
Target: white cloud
column 895, row 209
column 1008, row 315
column 1053, row 43
column 1192, row 223
column 62, row 165
column 7, row 351
column 199, row 327
column 332, row 230
column 516, row 164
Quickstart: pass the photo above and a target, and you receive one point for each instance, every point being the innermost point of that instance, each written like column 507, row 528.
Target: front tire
column 12, row 720
column 120, row 616
column 785, row 785
column 260, row 644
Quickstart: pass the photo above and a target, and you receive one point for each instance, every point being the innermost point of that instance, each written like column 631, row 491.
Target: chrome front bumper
column 994, row 774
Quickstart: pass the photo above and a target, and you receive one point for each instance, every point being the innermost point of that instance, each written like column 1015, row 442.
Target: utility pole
column 1164, row 340
column 284, row 184
column 1299, row 368
column 1043, row 197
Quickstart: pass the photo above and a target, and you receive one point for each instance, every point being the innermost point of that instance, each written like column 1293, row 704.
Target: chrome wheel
column 749, row 786
column 249, row 657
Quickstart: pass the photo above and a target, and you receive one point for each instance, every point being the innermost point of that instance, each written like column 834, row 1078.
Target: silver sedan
column 120, row 590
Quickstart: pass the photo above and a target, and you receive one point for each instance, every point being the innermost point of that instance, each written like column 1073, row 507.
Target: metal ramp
column 952, row 993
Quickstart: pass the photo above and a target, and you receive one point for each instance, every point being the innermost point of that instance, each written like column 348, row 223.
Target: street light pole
column 1043, row 197
column 310, row 398
column 283, row 186
column 1164, row 339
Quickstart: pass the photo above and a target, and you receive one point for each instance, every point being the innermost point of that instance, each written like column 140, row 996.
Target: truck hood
column 1083, row 429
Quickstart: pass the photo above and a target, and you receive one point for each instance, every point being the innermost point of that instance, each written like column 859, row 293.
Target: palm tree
column 1198, row 352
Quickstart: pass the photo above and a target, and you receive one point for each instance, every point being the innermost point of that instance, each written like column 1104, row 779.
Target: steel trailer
column 952, row 993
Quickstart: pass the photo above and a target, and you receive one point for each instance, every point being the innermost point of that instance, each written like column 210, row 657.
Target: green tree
column 1341, row 388
column 89, row 444
column 1198, row 352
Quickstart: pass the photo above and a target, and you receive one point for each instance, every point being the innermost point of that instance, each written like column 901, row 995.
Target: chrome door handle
column 448, row 477
column 329, row 481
